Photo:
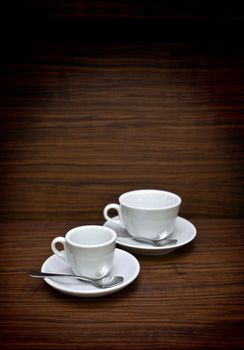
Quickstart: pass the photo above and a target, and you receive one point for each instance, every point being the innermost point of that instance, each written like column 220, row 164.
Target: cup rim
column 178, row 198
column 113, row 238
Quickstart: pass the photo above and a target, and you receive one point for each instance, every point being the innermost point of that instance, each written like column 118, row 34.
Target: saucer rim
column 93, row 292
column 145, row 246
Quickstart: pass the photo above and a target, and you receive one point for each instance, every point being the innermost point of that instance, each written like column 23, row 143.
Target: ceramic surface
column 125, row 265
column 146, row 213
column 89, row 250
column 184, row 232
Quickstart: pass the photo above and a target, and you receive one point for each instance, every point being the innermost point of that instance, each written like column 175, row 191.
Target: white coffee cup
column 146, row 213
column 89, row 250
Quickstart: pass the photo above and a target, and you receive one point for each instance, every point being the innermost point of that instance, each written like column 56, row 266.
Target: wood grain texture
column 79, row 128
column 191, row 298
column 98, row 98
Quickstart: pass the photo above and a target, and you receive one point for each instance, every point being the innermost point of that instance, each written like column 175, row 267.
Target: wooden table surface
column 191, row 298
column 98, row 98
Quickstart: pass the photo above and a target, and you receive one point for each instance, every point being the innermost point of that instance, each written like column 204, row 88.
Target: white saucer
column 184, row 232
column 125, row 265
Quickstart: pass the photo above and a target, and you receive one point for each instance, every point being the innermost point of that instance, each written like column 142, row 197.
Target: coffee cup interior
column 90, row 236
column 149, row 199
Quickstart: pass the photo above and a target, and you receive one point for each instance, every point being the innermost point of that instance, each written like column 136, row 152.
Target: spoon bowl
column 104, row 282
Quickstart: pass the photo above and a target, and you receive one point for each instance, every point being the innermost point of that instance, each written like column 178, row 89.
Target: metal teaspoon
column 156, row 242
column 105, row 282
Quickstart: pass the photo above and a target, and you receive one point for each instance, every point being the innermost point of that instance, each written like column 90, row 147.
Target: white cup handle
column 61, row 254
column 115, row 207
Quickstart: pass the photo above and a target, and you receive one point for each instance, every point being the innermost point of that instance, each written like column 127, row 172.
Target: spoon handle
column 159, row 243
column 38, row 274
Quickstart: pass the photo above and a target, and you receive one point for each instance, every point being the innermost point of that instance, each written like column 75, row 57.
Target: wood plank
column 83, row 123
column 190, row 298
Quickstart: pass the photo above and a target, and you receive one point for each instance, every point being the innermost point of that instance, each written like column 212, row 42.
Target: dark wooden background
column 101, row 97
column 98, row 98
